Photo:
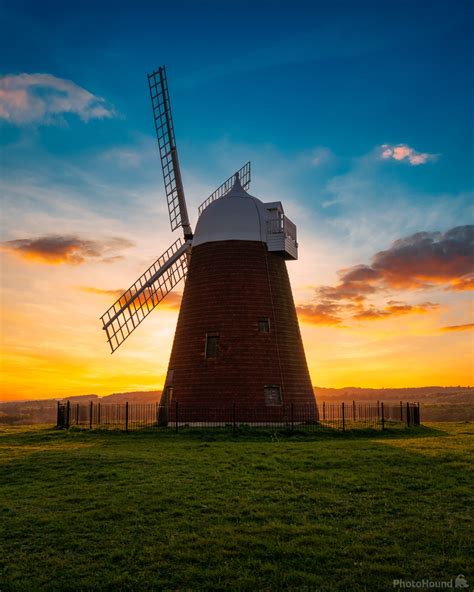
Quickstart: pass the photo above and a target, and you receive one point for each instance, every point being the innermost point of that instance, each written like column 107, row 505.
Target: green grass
column 203, row 511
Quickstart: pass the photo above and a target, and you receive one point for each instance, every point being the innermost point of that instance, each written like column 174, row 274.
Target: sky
column 356, row 115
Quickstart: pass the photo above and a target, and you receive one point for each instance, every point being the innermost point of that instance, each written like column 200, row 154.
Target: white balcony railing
column 282, row 224
column 281, row 236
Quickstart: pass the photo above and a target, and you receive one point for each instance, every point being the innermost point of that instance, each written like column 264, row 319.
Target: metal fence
column 325, row 417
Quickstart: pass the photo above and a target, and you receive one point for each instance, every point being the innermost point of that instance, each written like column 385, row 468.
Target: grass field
column 145, row 511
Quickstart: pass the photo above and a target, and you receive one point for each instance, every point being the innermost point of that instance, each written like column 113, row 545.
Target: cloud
column 432, row 258
column 421, row 261
column 404, row 153
column 320, row 156
column 171, row 300
column 330, row 313
column 463, row 284
column 465, row 327
column 43, row 98
column 102, row 292
column 325, row 313
column 71, row 250
column 128, row 157
column 394, row 308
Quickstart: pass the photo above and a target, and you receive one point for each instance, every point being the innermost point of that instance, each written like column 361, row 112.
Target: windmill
column 237, row 338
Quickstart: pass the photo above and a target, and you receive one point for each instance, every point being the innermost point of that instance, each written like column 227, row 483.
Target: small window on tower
column 272, row 395
column 167, row 396
column 264, row 325
column 212, row 345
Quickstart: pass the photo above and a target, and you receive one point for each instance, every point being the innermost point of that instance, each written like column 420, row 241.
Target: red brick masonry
column 230, row 286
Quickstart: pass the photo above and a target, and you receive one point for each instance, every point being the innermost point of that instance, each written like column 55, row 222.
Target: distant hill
column 438, row 403
column 81, row 399
column 425, row 394
column 133, row 397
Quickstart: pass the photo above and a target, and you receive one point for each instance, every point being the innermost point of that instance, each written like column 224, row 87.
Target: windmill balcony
column 281, row 237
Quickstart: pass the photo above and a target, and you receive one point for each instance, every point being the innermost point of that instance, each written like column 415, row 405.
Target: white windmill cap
column 235, row 216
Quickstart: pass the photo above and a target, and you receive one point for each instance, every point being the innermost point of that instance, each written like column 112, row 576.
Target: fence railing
column 281, row 225
column 326, row 416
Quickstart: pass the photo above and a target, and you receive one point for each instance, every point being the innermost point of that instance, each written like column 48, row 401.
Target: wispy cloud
column 171, row 300
column 394, row 308
column 102, row 292
column 324, row 313
column 71, row 250
column 366, row 198
column 404, row 153
column 44, row 98
column 465, row 327
column 320, row 156
column 334, row 314
column 124, row 156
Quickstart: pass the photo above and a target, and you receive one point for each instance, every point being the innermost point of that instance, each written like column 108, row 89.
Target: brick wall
column 230, row 286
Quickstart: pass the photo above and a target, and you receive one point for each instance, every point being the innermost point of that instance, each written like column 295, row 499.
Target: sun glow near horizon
column 53, row 345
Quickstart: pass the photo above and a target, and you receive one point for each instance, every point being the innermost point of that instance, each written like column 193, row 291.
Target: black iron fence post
column 354, row 410
column 292, row 417
column 418, row 420
column 408, row 414
column 126, row 416
column 176, row 416
column 68, row 414
column 401, row 411
column 324, row 410
column 234, row 423
column 98, row 413
column 90, row 416
column 343, row 418
column 383, row 415
column 57, row 416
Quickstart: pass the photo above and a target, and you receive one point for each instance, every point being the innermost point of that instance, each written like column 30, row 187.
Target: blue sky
column 357, row 115
column 346, row 76
column 272, row 81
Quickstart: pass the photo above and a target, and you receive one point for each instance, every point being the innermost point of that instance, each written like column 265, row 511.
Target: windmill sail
column 168, row 153
column 136, row 303
column 244, row 176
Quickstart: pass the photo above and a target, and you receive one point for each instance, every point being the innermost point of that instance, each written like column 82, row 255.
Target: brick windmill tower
column 237, row 339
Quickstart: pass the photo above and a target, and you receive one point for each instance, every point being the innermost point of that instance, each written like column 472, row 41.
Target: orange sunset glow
column 384, row 323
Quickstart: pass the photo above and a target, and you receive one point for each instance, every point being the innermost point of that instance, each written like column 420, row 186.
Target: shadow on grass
column 243, row 433
column 255, row 434
column 44, row 434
